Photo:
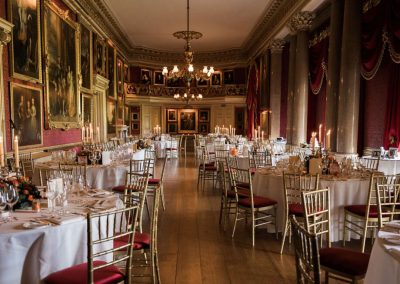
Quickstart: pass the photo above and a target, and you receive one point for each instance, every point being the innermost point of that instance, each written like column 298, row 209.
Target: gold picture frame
column 172, row 115
column 87, row 108
column 86, row 58
column 187, row 121
column 26, row 49
column 26, row 114
column 62, row 52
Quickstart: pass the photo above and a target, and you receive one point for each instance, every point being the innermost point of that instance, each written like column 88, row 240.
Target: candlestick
column 16, row 152
column 255, row 134
column 98, row 134
column 328, row 140
column 262, row 136
column 320, row 133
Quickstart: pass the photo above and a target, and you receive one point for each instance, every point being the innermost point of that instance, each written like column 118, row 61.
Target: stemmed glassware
column 12, row 197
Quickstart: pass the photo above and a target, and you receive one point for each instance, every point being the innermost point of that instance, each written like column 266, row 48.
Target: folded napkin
column 393, row 224
column 65, row 219
column 99, row 193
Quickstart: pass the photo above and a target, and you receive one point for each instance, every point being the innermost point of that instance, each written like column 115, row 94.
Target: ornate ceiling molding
column 277, row 14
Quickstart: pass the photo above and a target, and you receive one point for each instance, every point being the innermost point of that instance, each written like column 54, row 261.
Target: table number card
column 315, row 166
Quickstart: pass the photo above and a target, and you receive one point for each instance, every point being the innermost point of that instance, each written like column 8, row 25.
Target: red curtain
column 252, row 100
column 318, row 61
column 381, row 29
column 392, row 118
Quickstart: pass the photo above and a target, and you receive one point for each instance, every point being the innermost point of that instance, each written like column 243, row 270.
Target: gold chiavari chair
column 207, row 169
column 388, row 198
column 361, row 218
column 152, row 157
column 260, row 159
column 338, row 263
column 262, row 210
column 158, row 182
column 370, row 163
column 293, row 186
column 26, row 164
column 306, row 252
column 110, row 225
column 171, row 151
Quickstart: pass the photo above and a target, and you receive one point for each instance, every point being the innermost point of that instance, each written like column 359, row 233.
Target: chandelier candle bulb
column 16, row 151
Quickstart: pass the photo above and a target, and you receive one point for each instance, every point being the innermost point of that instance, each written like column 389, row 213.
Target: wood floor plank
column 193, row 247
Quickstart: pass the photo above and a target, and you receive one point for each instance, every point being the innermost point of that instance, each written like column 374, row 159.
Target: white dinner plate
column 34, row 225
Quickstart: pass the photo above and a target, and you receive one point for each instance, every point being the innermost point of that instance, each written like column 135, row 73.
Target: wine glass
column 92, row 157
column 51, row 194
column 3, row 203
column 12, row 197
column 97, row 156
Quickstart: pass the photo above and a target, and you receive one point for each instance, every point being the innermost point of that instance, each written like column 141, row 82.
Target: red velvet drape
column 252, row 100
column 318, row 61
column 381, row 29
column 392, row 118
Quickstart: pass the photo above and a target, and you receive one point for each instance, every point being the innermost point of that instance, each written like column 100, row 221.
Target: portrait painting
column 25, row 46
column 111, row 71
column 86, row 59
column 202, row 82
column 26, row 114
column 159, row 78
column 135, row 128
column 203, row 128
column 172, row 115
column 126, row 73
column 87, row 108
column 204, row 115
column 187, row 120
column 172, row 128
column 216, row 79
column 111, row 117
column 120, row 76
column 62, row 88
column 99, row 55
column 135, row 116
column 228, row 77
column 145, row 76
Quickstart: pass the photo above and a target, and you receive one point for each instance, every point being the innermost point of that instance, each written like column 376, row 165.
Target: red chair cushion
column 210, row 168
column 119, row 188
column 296, row 209
column 360, row 210
column 242, row 193
column 344, row 260
column 154, row 181
column 141, row 241
column 171, row 149
column 259, row 201
column 77, row 274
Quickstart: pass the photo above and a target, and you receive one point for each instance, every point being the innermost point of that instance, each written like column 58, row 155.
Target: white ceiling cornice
column 276, row 15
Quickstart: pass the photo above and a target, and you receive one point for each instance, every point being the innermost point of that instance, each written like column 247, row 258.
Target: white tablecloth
column 384, row 263
column 105, row 176
column 342, row 193
column 29, row 255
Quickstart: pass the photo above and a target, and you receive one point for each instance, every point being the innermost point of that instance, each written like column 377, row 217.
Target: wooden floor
column 193, row 248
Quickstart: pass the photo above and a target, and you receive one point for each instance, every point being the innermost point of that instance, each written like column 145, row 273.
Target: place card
column 315, row 166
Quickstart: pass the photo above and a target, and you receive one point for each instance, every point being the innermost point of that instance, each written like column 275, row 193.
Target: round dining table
column 33, row 245
column 343, row 192
column 384, row 262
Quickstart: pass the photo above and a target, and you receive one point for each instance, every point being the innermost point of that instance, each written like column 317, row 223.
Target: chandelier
column 188, row 73
column 188, row 96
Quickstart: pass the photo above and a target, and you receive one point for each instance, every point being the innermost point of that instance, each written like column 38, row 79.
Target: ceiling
column 225, row 24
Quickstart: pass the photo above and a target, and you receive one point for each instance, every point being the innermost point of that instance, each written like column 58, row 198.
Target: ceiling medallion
column 187, row 73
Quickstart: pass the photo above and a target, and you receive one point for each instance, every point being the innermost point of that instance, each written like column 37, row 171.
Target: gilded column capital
column 301, row 21
column 276, row 46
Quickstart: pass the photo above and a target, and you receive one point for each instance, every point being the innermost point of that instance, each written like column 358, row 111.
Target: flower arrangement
column 144, row 144
column 26, row 189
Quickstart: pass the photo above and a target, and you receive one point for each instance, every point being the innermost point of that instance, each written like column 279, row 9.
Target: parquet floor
column 193, row 248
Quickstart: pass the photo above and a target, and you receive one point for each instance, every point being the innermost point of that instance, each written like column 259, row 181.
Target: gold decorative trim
column 301, row 21
column 162, row 91
column 277, row 45
column 318, row 37
column 369, row 4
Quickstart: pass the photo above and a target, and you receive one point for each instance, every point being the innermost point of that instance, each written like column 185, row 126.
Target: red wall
column 374, row 105
column 50, row 137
